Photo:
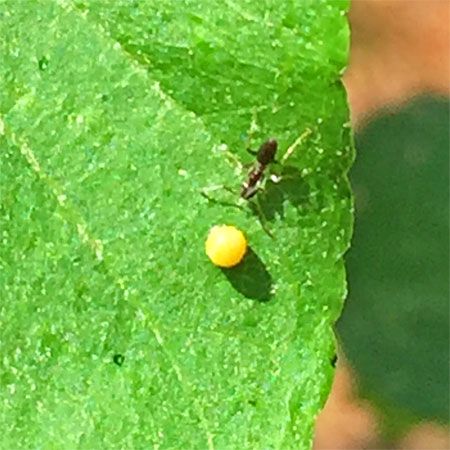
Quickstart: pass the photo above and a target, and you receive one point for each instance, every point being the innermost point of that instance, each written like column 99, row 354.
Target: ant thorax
column 251, row 185
column 264, row 156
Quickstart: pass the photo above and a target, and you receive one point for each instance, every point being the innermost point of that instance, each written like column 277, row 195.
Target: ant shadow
column 291, row 187
column 251, row 278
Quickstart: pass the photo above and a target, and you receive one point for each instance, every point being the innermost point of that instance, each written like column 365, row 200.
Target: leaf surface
column 114, row 117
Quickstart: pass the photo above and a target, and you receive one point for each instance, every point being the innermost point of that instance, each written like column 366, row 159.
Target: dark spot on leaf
column 43, row 63
column 76, row 260
column 80, row 289
column 100, row 267
column 252, row 402
column 118, row 359
column 251, row 278
column 333, row 360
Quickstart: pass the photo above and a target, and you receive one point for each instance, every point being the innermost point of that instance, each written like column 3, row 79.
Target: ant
column 264, row 156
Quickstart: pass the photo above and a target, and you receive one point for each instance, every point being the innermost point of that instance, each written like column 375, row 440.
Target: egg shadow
column 251, row 278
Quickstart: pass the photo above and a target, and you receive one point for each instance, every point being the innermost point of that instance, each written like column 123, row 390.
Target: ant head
column 266, row 153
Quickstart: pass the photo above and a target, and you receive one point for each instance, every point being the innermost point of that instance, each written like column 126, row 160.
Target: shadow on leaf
column 291, row 187
column 251, row 278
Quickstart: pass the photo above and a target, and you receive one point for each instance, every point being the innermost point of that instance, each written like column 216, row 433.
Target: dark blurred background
column 391, row 389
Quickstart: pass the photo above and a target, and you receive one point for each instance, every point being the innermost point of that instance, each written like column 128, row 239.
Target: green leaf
column 117, row 332
column 395, row 326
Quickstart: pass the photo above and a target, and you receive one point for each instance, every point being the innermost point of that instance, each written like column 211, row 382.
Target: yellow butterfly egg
column 226, row 245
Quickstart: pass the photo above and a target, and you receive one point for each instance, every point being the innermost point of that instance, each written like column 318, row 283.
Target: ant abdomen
column 267, row 151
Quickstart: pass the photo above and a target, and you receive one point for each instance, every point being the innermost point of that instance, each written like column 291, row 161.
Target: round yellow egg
column 225, row 245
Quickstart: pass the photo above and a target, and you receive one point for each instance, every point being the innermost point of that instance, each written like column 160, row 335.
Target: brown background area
column 399, row 49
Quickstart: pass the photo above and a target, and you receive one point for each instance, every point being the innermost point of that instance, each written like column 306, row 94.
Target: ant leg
column 262, row 217
column 229, row 156
column 205, row 193
column 252, row 152
column 295, row 144
column 252, row 130
column 274, row 178
column 256, row 205
column 234, row 160
column 217, row 187
column 231, row 190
